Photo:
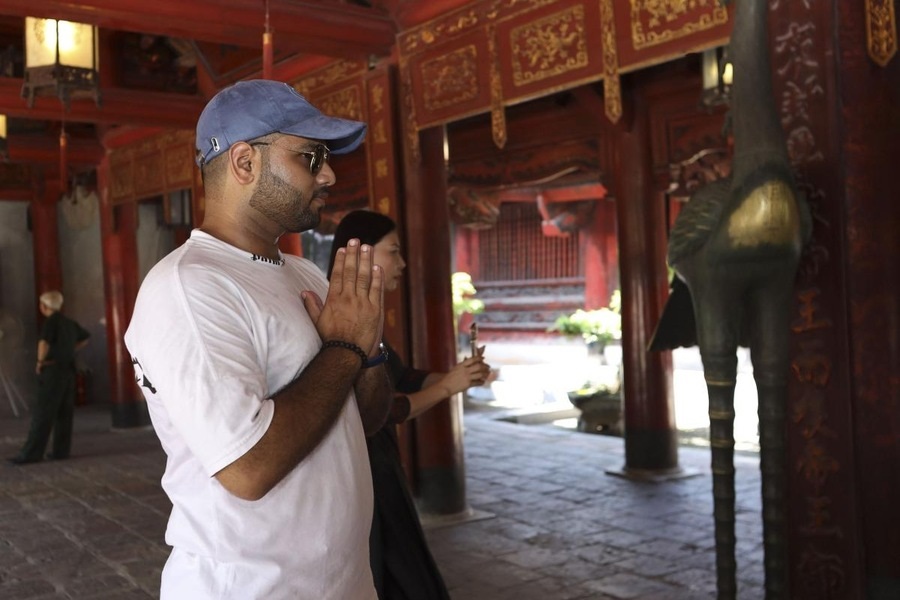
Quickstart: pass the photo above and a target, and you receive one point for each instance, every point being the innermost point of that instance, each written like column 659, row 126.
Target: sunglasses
column 318, row 156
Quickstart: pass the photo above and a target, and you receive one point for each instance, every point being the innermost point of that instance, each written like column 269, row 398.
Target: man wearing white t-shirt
column 261, row 378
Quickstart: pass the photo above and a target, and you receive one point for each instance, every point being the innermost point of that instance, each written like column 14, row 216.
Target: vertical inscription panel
column 823, row 517
column 383, row 139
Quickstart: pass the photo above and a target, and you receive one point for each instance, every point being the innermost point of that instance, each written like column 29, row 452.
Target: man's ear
column 243, row 168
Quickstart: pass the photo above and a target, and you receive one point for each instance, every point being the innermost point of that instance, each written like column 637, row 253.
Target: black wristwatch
column 377, row 360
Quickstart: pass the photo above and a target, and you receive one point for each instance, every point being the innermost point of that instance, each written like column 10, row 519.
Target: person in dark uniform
column 402, row 565
column 55, row 406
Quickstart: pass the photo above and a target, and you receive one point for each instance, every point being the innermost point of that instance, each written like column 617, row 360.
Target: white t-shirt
column 215, row 333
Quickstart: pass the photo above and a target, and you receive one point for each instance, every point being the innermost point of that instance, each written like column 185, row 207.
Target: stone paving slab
column 587, row 533
column 92, row 527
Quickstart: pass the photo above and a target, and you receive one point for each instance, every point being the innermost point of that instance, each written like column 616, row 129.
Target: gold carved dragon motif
column 451, row 78
column 161, row 163
column 342, row 103
column 329, row 75
column 658, row 21
column 549, row 46
column 463, row 20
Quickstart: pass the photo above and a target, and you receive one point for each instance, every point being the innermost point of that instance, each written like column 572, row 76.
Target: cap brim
column 340, row 135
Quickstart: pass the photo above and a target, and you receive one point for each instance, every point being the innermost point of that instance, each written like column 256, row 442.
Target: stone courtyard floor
column 553, row 523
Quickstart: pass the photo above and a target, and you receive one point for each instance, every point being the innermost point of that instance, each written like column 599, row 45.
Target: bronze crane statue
column 736, row 246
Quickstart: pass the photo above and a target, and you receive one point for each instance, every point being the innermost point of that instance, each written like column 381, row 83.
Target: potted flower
column 597, row 327
column 600, row 398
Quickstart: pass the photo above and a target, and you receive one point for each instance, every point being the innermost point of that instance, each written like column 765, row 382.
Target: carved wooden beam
column 562, row 219
column 703, row 168
column 409, row 13
column 568, row 193
column 330, row 29
column 574, row 193
column 120, row 137
column 119, row 107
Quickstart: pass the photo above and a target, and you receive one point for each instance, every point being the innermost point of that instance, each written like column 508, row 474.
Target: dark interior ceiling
column 160, row 60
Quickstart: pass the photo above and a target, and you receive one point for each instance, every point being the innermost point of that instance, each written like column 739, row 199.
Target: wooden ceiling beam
column 15, row 194
column 410, row 13
column 119, row 107
column 44, row 149
column 339, row 30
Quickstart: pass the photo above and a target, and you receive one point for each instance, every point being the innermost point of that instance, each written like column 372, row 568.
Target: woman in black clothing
column 402, row 565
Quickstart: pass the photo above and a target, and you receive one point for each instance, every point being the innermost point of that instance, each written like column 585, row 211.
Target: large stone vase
column 601, row 410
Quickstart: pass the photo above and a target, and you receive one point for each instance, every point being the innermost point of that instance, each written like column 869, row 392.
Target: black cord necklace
column 272, row 261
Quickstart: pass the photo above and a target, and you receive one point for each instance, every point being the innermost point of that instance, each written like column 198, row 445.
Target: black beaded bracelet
column 347, row 346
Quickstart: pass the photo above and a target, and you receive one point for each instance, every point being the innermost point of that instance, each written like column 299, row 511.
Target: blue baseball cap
column 251, row 109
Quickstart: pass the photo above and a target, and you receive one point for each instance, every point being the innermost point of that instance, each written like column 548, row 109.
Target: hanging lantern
column 60, row 60
column 717, row 76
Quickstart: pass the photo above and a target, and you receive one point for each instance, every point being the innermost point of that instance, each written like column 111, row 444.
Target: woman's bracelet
column 347, row 346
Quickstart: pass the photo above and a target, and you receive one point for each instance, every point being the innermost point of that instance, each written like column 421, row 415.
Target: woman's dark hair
column 365, row 225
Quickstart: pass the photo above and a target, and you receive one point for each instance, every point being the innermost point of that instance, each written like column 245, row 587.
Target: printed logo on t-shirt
column 139, row 376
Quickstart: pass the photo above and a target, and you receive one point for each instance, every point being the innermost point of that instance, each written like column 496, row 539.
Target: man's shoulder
column 188, row 262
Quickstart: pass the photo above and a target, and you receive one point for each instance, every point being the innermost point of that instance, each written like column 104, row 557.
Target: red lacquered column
column 598, row 264
column 290, row 243
column 45, row 237
column 651, row 438
column 439, row 468
column 120, row 281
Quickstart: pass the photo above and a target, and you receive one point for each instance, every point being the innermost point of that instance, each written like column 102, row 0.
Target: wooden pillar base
column 653, row 475
column 652, row 456
column 442, row 490
column 653, row 450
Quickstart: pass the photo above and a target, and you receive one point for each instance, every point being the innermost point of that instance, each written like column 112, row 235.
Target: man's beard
column 279, row 201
